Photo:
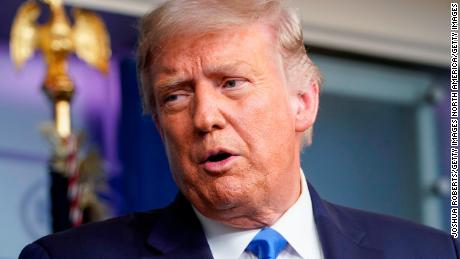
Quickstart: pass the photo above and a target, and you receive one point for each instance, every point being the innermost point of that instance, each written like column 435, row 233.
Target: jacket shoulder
column 396, row 235
column 127, row 234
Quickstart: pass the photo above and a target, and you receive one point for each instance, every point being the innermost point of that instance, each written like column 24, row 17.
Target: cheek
column 177, row 138
column 269, row 132
column 176, row 131
column 267, row 118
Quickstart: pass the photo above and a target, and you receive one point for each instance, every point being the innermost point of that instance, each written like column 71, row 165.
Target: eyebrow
column 171, row 82
column 175, row 79
column 232, row 67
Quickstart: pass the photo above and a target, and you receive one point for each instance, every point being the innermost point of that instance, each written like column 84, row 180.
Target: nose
column 206, row 111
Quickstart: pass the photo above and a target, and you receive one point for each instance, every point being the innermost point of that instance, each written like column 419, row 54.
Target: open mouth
column 218, row 157
column 218, row 161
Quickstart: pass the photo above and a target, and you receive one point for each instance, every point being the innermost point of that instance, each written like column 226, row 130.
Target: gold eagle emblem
column 57, row 39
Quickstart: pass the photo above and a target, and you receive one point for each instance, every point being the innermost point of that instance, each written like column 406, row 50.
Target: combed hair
column 195, row 17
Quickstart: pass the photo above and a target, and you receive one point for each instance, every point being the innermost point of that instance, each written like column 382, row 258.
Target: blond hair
column 192, row 17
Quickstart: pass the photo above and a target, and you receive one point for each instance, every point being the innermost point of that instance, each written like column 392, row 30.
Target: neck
column 258, row 215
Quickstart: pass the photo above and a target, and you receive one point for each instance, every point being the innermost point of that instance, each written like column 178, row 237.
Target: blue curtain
column 145, row 181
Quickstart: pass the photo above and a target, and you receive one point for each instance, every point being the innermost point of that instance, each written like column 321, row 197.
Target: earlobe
column 307, row 107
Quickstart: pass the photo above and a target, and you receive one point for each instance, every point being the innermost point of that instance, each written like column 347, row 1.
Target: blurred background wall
column 380, row 143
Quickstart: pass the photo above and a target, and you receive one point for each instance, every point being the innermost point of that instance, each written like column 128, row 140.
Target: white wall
column 408, row 30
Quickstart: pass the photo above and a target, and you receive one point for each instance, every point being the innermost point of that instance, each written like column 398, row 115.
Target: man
column 234, row 97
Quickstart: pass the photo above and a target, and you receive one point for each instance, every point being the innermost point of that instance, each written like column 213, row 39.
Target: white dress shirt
column 296, row 225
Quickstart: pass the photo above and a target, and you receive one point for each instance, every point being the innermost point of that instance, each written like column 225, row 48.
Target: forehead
column 243, row 45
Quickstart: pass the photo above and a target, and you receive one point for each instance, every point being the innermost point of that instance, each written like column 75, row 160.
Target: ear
column 306, row 107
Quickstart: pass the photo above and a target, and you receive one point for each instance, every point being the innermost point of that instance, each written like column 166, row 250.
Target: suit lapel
column 340, row 236
column 178, row 233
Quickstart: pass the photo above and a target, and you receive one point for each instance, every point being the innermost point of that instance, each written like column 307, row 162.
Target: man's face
column 228, row 124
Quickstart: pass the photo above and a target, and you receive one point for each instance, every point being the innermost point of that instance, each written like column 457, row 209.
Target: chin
column 219, row 205
column 226, row 200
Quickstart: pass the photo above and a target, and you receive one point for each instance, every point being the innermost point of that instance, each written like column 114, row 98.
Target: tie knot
column 267, row 244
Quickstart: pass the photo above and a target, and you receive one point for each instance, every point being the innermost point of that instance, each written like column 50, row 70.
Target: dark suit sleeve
column 456, row 246
column 34, row 251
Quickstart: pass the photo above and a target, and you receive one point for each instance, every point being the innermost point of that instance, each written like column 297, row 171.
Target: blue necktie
column 267, row 244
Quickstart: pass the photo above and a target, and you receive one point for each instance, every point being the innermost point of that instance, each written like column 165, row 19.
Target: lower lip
column 219, row 166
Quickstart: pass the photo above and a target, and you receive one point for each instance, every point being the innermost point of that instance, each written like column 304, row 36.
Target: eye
column 171, row 98
column 175, row 100
column 233, row 83
column 230, row 83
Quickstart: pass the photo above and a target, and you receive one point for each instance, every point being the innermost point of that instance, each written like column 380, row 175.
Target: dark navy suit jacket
column 175, row 232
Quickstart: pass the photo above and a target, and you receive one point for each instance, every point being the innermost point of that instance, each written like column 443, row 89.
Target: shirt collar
column 296, row 225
